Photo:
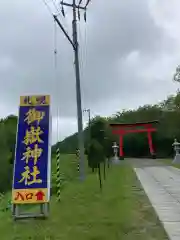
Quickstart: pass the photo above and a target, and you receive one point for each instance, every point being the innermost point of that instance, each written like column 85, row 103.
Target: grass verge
column 120, row 211
column 169, row 163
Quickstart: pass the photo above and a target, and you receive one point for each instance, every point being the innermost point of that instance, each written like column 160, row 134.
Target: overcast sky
column 129, row 50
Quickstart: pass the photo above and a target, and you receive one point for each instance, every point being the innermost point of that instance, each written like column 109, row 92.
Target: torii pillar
column 124, row 128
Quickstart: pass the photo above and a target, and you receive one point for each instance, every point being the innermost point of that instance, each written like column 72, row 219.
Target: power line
column 47, row 6
column 80, row 1
column 46, row 3
column 58, row 179
column 55, row 6
column 87, row 3
column 58, row 173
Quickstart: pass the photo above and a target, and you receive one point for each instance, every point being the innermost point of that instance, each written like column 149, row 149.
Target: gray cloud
column 127, row 57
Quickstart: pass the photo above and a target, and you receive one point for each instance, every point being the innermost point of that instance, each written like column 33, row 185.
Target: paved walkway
column 162, row 186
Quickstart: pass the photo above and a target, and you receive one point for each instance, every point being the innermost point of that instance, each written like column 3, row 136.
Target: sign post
column 31, row 178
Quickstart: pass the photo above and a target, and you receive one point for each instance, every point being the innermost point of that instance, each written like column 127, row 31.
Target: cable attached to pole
column 58, row 175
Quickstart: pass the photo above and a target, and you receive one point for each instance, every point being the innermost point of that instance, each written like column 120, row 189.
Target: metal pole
column 89, row 122
column 78, row 93
column 99, row 174
column 89, row 115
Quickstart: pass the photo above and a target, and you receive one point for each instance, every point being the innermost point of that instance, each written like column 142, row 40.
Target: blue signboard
column 31, row 181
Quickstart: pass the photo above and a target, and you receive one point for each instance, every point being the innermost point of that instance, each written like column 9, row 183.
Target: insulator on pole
column 85, row 16
column 62, row 11
column 79, row 14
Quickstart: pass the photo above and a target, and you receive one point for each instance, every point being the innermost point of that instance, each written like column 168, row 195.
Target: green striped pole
column 78, row 162
column 58, row 178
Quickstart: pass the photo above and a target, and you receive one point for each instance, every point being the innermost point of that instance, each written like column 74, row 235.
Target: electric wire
column 58, row 172
column 87, row 3
column 48, row 7
column 56, row 77
column 57, row 12
column 80, row 1
column 56, row 83
column 82, row 52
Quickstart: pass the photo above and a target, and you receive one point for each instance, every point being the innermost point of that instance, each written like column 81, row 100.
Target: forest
column 166, row 112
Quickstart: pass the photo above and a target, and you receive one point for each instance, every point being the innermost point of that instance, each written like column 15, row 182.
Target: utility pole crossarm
column 64, row 31
column 71, row 5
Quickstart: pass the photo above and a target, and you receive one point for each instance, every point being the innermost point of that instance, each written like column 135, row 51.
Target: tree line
column 99, row 135
column 167, row 113
column 8, row 128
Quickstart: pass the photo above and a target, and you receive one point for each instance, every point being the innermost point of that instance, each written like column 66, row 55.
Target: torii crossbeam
column 124, row 128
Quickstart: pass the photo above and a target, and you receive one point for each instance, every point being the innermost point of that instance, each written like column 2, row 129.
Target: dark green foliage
column 95, row 154
column 71, row 147
column 11, row 126
column 7, row 146
column 136, row 145
column 99, row 174
column 98, row 129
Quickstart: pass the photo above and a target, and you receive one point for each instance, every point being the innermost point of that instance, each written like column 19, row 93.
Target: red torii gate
column 124, row 128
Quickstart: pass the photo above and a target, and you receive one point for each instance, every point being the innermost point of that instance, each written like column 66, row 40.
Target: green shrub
column 95, row 154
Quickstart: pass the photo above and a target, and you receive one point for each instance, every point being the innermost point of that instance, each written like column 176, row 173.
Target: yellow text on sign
column 38, row 100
